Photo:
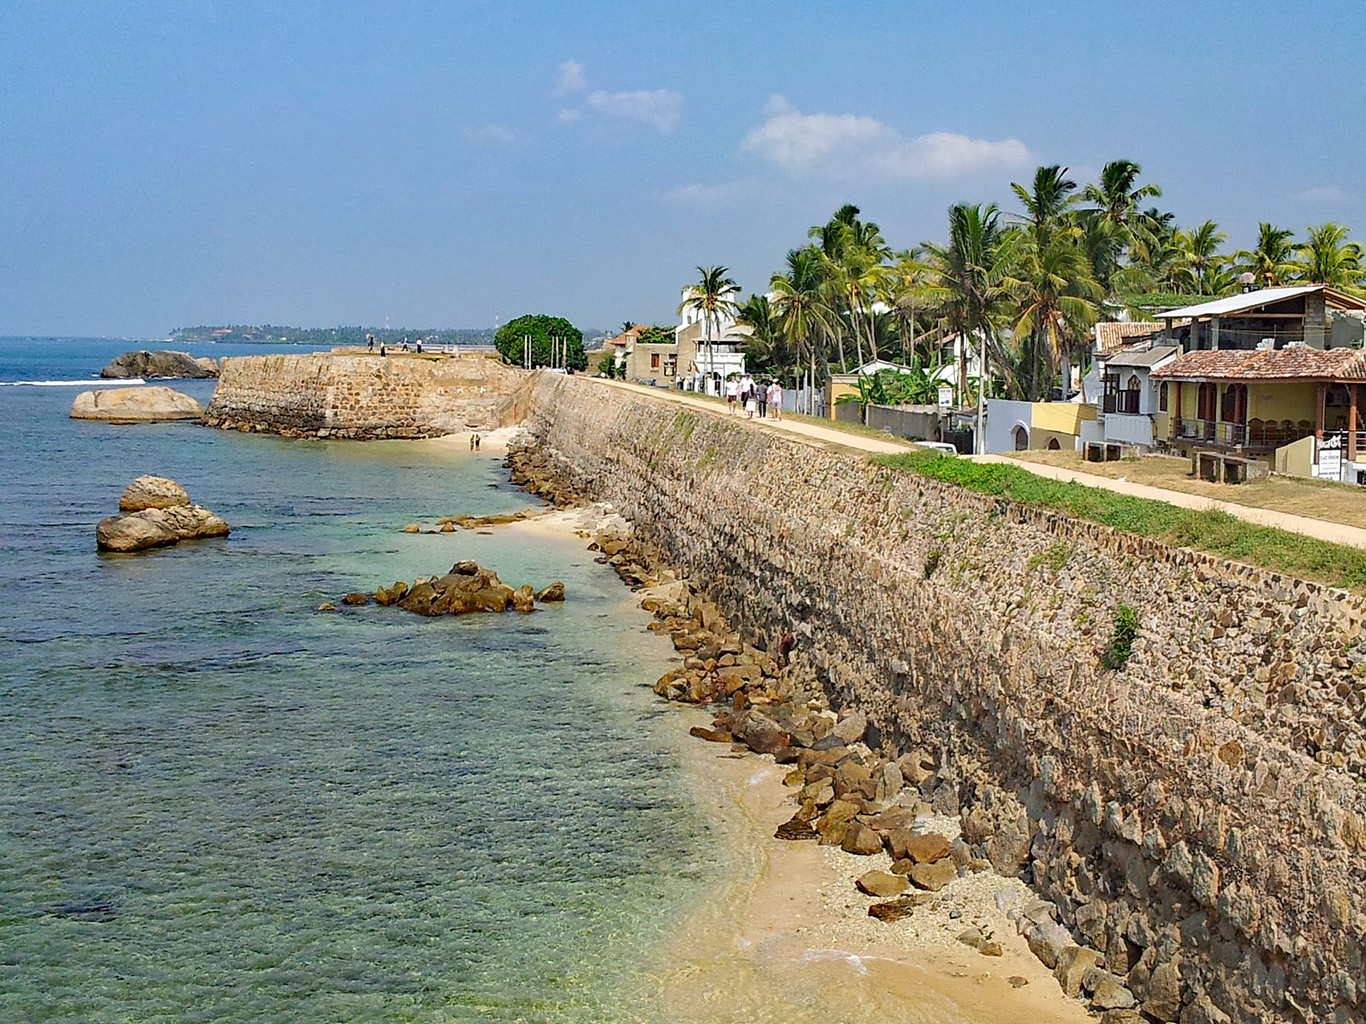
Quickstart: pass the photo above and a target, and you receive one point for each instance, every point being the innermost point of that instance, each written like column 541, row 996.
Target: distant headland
column 326, row 337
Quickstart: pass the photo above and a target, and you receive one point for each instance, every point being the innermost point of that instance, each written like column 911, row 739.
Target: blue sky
column 449, row 164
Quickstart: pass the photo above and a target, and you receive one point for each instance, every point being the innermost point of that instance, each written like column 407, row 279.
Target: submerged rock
column 134, row 405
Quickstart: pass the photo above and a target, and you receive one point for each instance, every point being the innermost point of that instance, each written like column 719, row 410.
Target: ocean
column 220, row 804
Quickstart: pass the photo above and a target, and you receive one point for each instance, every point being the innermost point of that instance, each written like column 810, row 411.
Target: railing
column 1253, row 434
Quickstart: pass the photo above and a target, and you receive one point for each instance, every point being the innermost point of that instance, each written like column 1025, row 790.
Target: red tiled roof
column 1111, row 336
column 1296, row 362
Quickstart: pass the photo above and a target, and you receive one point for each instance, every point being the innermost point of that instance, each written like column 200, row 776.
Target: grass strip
column 1208, row 530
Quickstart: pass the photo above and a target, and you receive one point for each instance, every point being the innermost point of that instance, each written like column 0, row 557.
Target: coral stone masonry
column 364, row 396
column 1197, row 814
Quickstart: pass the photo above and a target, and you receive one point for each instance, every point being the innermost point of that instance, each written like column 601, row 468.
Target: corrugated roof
column 1143, row 357
column 1112, row 335
column 1262, row 297
column 1296, row 362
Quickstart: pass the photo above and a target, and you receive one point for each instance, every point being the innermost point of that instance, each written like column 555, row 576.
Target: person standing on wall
column 775, row 399
column 732, row 390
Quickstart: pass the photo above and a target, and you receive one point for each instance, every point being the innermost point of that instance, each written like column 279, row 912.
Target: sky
column 458, row 164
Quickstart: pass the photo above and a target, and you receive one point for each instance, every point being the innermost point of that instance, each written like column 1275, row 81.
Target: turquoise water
column 218, row 804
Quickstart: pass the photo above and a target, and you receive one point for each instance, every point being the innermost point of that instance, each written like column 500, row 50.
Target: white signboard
column 945, row 396
column 1330, row 458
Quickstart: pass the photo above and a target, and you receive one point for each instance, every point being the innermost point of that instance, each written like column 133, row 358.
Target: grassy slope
column 1211, row 531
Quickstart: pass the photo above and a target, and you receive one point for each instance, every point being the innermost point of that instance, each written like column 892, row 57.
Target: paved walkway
column 1338, row 533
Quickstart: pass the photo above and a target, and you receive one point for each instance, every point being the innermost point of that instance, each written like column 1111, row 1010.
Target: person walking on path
column 761, row 396
column 775, row 399
column 370, row 342
column 732, row 389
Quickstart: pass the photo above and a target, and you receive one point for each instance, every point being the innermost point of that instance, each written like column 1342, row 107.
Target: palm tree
column 711, row 297
column 1049, row 200
column 799, row 302
column 1116, row 197
column 766, row 345
column 907, row 288
column 1199, row 250
column 1272, row 261
column 971, row 272
column 1328, row 257
column 1057, row 297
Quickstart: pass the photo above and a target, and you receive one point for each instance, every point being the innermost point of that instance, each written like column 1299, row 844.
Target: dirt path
column 1337, row 533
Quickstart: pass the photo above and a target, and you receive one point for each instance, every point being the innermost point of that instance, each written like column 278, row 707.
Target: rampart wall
column 1196, row 815
column 364, row 396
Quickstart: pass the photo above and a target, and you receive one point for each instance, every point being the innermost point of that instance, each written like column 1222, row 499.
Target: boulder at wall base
column 132, row 533
column 882, row 884
column 152, row 492
column 162, row 363
column 130, row 405
column 933, row 877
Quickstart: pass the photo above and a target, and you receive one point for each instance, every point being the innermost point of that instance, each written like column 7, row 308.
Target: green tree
column 1272, row 261
column 712, row 296
column 972, row 276
column 1057, row 299
column 1200, row 255
column 554, row 342
column 766, row 349
column 1116, row 196
column 800, row 305
column 1328, row 257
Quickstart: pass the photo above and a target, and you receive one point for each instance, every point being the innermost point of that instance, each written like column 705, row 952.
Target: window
column 1206, row 401
column 1162, row 396
column 654, row 360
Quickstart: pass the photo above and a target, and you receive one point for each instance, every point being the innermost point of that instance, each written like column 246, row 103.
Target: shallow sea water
column 218, row 804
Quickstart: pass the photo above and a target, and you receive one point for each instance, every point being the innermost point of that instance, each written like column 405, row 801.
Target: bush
column 1121, row 638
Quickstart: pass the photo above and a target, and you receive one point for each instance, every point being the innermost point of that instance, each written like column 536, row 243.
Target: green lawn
column 1212, row 531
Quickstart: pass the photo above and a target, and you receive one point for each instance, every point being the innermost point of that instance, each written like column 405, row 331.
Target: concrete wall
column 364, row 396
column 1296, row 458
column 1199, row 816
column 913, row 422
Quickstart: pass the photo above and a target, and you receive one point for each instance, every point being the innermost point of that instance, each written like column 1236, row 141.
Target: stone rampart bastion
column 1196, row 815
column 364, row 396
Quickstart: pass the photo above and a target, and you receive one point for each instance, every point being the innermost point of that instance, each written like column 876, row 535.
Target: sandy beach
column 492, row 443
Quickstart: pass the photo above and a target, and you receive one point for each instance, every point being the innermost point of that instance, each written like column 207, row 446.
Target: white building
column 704, row 365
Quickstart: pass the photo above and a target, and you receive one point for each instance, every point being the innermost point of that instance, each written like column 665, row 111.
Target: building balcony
column 1255, row 434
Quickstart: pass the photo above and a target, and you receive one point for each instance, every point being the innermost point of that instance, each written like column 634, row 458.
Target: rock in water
column 162, row 363
column 156, row 512
column 132, row 533
column 554, row 592
column 134, row 405
column 152, row 492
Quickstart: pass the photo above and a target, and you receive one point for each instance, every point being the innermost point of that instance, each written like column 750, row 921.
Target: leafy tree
column 712, row 295
column 1272, row 261
column 1328, row 257
column 1200, row 254
column 548, row 334
column 656, row 335
column 800, row 305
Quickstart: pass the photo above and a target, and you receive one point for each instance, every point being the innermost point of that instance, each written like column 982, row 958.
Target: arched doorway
column 1021, row 436
column 1053, row 445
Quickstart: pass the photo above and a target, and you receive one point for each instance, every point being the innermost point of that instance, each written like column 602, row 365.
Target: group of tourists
column 754, row 396
column 370, row 345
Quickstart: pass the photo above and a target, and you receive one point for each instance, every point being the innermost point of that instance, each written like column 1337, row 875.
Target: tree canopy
column 547, row 333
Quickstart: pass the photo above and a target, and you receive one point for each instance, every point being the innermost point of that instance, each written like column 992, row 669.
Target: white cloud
column 798, row 142
column 706, row 196
column 844, row 145
column 945, row 154
column 571, row 79
column 568, row 114
column 659, row 108
column 494, row 135
column 1325, row 194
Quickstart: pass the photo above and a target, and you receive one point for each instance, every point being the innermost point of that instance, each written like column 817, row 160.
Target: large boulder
column 132, row 533
column 133, row 405
column 156, row 512
column 152, row 492
column 162, row 363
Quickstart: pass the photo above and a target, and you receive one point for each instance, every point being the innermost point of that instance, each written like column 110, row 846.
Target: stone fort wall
column 362, row 396
column 1197, row 815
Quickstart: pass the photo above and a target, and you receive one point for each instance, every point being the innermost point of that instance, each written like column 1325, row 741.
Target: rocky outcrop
column 467, row 588
column 162, row 363
column 156, row 512
column 135, row 405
